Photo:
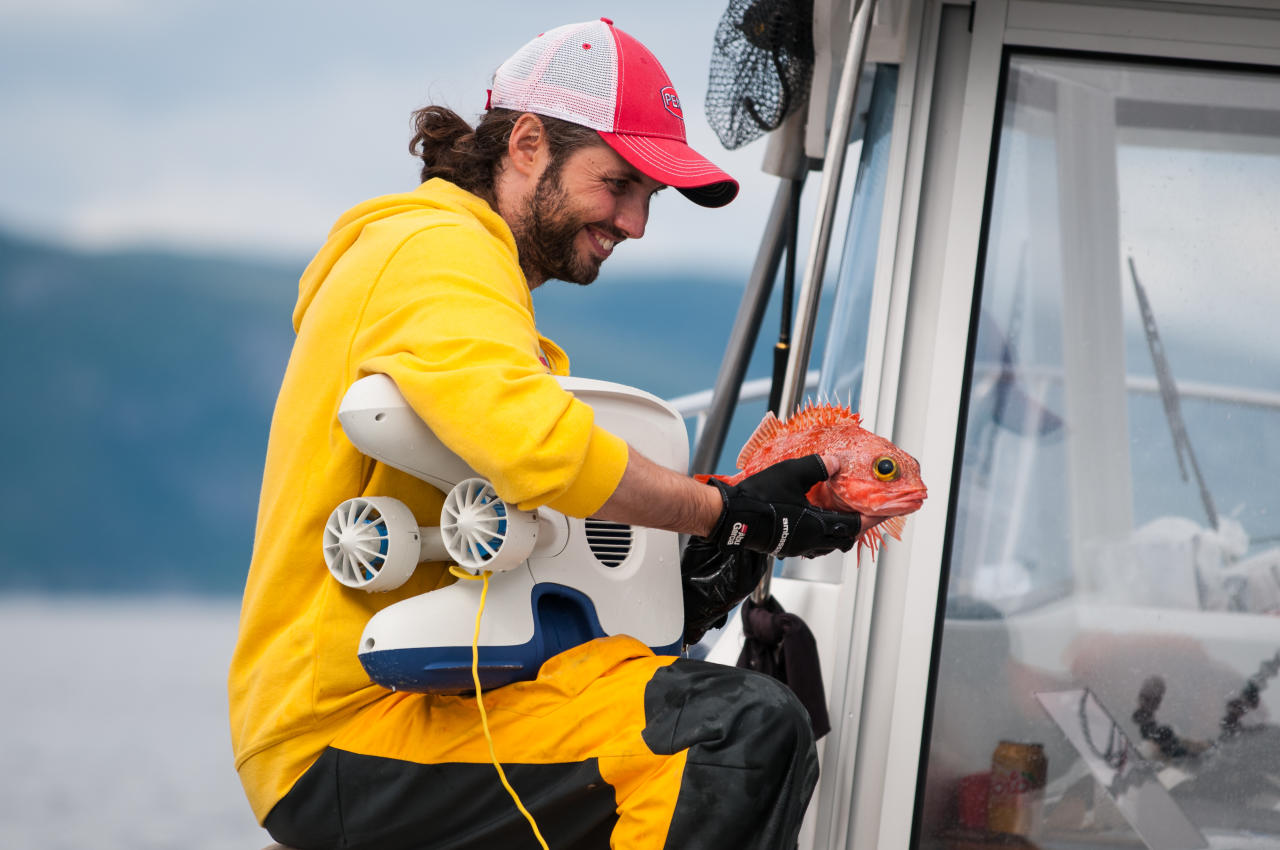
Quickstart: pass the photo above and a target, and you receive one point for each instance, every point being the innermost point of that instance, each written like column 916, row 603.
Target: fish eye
column 886, row 468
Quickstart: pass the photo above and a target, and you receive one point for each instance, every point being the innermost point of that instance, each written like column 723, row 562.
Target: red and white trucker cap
column 596, row 75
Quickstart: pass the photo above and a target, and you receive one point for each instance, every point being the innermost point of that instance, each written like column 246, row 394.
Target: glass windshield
column 1111, row 638
column 844, row 359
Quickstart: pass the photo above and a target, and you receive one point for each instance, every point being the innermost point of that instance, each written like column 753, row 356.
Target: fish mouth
column 903, row 503
column 898, row 504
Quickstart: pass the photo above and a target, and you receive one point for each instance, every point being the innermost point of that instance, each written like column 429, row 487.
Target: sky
column 229, row 126
column 248, row 127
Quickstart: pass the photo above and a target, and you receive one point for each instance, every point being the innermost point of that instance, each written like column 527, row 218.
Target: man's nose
column 632, row 215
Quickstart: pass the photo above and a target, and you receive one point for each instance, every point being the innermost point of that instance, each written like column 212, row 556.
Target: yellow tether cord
column 484, row 717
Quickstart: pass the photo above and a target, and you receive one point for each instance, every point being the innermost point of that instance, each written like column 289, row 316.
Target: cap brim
column 674, row 163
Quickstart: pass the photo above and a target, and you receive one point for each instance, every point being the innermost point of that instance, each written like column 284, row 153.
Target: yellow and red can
column 1016, row 791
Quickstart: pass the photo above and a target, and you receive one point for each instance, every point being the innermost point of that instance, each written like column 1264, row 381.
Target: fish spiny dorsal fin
column 765, row 432
column 814, row 415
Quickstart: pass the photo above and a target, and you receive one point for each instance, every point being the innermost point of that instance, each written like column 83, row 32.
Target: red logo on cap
column 671, row 101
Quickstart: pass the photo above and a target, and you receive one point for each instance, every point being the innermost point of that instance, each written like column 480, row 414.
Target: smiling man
column 576, row 215
column 610, row 745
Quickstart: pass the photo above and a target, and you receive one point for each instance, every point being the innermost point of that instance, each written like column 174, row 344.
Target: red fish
column 877, row 479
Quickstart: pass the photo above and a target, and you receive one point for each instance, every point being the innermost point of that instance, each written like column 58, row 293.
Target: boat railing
column 696, row 404
column 1036, row 376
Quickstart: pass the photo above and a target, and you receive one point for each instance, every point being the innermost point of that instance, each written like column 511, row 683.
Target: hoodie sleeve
column 450, row 320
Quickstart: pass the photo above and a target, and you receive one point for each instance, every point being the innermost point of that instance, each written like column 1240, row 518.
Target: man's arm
column 765, row 512
column 736, row 530
column 656, row 497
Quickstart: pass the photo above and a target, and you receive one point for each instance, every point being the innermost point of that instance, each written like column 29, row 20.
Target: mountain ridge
column 143, row 383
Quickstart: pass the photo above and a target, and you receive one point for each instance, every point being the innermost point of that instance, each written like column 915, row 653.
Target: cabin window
column 1112, row 594
column 845, row 355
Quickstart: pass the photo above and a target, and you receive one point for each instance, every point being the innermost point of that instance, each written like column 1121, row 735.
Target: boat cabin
column 1055, row 281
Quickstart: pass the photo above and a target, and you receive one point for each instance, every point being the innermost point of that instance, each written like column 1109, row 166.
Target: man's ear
column 527, row 148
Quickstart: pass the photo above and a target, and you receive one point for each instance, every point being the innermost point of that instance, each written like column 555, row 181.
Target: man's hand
column 714, row 581
column 767, row 512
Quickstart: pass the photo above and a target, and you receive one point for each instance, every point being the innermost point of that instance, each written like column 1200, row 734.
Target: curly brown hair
column 470, row 158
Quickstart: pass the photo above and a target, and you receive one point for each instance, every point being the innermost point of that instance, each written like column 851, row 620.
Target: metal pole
column 832, row 172
column 746, row 327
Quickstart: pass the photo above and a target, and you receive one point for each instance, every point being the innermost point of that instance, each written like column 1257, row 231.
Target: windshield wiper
column 1169, row 396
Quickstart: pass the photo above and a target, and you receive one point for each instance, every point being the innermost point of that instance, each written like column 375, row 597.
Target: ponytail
column 469, row 158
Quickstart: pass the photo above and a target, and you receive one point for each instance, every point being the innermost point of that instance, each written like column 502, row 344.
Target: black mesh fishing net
column 760, row 67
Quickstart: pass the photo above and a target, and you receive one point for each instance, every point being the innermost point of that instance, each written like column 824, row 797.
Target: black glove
column 767, row 512
column 714, row 581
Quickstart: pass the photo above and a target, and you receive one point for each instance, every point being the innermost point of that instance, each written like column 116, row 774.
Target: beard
column 546, row 233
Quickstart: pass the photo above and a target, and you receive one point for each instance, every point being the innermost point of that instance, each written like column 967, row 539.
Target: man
column 610, row 744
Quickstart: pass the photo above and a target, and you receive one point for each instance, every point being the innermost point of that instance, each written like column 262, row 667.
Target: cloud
column 244, row 125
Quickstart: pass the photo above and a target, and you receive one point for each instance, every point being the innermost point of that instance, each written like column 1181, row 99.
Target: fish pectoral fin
column 873, row 537
column 870, row 540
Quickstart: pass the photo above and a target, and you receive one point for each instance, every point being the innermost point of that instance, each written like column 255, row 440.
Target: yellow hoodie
column 424, row 287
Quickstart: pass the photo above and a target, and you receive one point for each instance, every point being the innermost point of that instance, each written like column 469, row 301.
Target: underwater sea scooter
column 557, row 581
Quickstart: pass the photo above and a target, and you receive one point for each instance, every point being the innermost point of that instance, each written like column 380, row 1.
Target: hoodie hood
column 433, row 196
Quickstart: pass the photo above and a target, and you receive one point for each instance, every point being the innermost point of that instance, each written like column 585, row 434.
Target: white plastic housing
column 447, row 617
column 382, row 425
column 634, row 585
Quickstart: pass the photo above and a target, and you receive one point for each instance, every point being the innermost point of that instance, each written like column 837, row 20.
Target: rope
column 484, row 717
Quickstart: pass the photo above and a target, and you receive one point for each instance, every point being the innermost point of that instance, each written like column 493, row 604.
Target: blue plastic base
column 562, row 618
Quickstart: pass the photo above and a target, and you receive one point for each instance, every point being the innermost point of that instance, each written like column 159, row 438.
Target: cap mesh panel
column 555, row 75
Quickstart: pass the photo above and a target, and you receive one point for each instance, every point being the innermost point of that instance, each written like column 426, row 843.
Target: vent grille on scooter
column 610, row 542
